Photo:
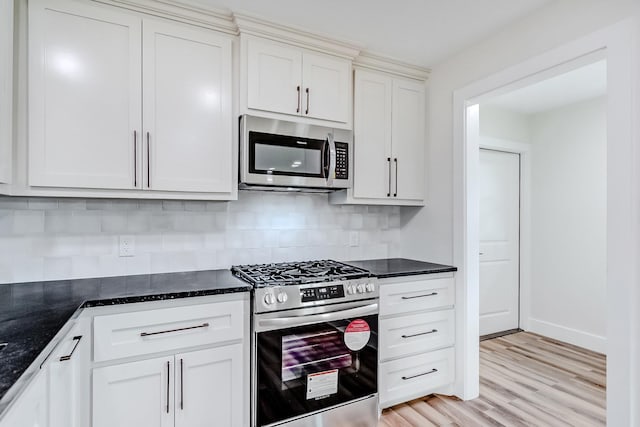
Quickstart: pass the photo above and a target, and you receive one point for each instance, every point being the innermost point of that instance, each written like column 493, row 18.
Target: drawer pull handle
column 68, row 356
column 419, row 375
column 422, row 296
column 433, row 331
column 168, row 378
column 146, row 334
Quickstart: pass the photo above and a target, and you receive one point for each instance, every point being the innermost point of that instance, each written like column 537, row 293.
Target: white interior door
column 499, row 184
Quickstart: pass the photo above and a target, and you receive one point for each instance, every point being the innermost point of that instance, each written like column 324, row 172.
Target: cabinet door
column 372, row 135
column 31, row 408
column 6, row 89
column 274, row 77
column 66, row 367
column 210, row 387
column 138, row 394
column 408, row 135
column 187, row 109
column 84, row 95
column 326, row 83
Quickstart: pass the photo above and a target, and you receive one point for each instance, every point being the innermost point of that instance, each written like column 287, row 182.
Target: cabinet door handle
column 77, row 339
column 168, row 331
column 419, row 375
column 168, row 387
column 396, row 192
column 148, row 162
column 422, row 296
column 135, row 159
column 299, row 95
column 389, row 190
column 433, row 331
column 308, row 96
column 181, row 385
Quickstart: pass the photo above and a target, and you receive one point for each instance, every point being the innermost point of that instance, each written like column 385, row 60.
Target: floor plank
column 525, row 380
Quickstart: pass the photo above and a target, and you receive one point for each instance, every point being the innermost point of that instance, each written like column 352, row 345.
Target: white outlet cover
column 127, row 246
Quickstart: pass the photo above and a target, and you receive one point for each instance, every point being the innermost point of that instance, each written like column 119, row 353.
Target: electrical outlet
column 127, row 246
column 354, row 238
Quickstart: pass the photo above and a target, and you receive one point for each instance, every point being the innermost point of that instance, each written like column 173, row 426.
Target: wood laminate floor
column 525, row 380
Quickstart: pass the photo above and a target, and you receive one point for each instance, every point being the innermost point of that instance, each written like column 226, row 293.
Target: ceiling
column 574, row 86
column 421, row 32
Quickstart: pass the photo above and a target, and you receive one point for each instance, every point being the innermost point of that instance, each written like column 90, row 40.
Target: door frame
column 618, row 43
column 524, row 225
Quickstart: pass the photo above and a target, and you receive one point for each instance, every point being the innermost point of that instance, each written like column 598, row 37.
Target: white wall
column 429, row 232
column 47, row 239
column 504, row 124
column 568, row 224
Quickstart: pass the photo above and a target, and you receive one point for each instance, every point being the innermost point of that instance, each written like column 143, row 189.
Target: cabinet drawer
column 145, row 332
column 412, row 377
column 418, row 295
column 416, row 333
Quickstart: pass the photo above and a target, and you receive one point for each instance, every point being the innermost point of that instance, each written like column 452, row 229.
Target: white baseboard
column 572, row 336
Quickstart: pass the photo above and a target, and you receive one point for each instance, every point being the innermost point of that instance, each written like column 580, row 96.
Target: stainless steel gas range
column 314, row 356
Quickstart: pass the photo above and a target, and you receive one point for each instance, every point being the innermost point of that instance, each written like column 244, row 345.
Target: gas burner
column 296, row 273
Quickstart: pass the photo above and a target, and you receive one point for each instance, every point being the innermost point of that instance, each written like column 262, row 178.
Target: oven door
column 312, row 359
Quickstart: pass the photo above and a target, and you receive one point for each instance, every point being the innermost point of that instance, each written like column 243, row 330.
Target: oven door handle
column 317, row 318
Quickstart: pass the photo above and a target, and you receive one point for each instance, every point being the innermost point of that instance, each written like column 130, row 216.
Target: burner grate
column 295, row 273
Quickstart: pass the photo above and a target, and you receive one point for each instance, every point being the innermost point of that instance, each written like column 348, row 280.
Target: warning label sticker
column 322, row 384
column 357, row 334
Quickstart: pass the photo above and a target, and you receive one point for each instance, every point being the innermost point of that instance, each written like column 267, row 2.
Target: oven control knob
column 269, row 299
column 371, row 287
column 351, row 289
column 361, row 288
column 282, row 297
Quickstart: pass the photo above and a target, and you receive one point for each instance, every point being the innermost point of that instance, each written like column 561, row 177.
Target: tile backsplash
column 49, row 239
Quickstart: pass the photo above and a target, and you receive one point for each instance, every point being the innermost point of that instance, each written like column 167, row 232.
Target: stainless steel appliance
column 314, row 356
column 277, row 155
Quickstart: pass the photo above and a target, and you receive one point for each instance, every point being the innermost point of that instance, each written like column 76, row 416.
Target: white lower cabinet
column 190, row 387
column 209, row 387
column 137, row 394
column 31, row 409
column 417, row 337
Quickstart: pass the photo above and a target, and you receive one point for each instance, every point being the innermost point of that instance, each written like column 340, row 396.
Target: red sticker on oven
column 357, row 334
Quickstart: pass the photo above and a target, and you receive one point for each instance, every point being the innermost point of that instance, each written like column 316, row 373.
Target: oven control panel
column 322, row 293
column 342, row 160
column 275, row 298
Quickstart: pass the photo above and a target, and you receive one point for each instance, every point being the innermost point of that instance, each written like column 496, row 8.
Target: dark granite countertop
column 396, row 267
column 31, row 314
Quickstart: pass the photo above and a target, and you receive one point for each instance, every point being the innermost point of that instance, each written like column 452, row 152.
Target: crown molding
column 251, row 24
column 391, row 65
column 184, row 11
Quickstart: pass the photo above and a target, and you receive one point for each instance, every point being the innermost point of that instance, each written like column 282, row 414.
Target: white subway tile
column 161, row 222
column 217, row 206
column 355, row 221
column 214, row 240
column 138, row 222
column 112, row 265
column 56, row 268
column 28, row 222
column 8, row 202
column 85, row 266
column 85, row 222
column 146, row 243
column 72, row 204
column 100, row 244
column 150, row 205
column 27, row 269
column 139, row 264
column 194, row 206
column 6, row 222
column 114, row 222
column 172, row 205
column 100, row 205
column 206, row 260
column 42, row 203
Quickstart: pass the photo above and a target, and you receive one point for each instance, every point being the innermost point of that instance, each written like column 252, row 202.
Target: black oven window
column 308, row 368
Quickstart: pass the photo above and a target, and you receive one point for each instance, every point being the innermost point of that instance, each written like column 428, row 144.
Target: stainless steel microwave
column 282, row 155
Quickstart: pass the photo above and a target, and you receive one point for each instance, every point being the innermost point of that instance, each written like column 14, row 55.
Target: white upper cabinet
column 6, row 90
column 187, row 109
column 84, row 95
column 122, row 102
column 389, row 140
column 408, row 130
column 294, row 81
column 274, row 77
column 372, row 135
column 326, row 83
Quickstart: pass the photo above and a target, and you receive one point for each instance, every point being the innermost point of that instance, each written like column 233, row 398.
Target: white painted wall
column 429, row 233
column 568, row 220
column 48, row 239
column 496, row 122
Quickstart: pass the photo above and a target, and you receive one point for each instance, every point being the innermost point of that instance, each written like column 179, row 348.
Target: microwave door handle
column 332, row 160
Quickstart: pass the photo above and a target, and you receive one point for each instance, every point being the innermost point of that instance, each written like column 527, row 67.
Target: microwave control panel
column 342, row 160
